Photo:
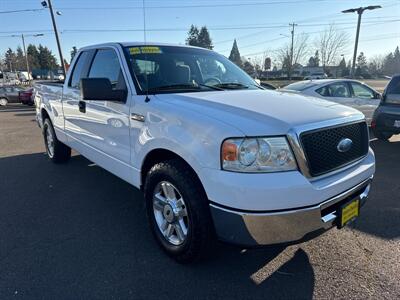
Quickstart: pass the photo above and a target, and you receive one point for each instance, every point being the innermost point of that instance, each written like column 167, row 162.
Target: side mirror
column 100, row 89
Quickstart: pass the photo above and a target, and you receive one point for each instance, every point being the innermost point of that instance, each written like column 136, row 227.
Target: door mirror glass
column 101, row 89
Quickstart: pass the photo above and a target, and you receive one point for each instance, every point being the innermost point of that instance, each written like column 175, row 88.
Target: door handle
column 82, row 106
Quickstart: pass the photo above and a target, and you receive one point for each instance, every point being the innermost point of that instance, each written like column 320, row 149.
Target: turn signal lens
column 229, row 151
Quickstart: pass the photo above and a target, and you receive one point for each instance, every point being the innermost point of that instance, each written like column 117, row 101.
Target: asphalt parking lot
column 75, row 231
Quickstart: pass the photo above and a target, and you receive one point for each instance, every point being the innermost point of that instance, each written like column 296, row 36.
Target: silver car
column 344, row 91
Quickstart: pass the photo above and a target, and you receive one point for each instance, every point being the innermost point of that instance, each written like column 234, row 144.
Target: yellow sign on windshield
column 145, row 50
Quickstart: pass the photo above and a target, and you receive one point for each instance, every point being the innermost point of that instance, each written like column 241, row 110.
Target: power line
column 20, row 10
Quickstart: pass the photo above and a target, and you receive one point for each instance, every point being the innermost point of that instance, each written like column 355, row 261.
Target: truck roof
column 133, row 44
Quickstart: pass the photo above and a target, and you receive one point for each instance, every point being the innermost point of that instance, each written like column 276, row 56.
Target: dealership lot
column 76, row 231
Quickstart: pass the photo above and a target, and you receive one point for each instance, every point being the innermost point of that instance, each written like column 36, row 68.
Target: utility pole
column 359, row 11
column 26, row 59
column 291, row 50
column 44, row 4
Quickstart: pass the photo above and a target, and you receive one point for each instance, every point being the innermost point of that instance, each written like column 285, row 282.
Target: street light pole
column 359, row 11
column 56, row 34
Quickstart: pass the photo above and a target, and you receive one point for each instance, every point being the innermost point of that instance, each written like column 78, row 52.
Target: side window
column 78, row 70
column 338, row 89
column 323, row 91
column 107, row 65
column 361, row 91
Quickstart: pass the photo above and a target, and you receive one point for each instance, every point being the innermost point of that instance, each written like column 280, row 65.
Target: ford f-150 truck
column 216, row 155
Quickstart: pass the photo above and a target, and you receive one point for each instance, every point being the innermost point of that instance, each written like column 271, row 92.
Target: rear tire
column 382, row 135
column 56, row 151
column 173, row 179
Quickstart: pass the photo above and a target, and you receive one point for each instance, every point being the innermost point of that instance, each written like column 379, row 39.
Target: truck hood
column 260, row 112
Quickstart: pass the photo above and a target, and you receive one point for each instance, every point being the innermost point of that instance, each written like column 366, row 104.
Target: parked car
column 26, row 96
column 314, row 76
column 9, row 94
column 344, row 91
column 386, row 120
column 214, row 154
column 268, row 86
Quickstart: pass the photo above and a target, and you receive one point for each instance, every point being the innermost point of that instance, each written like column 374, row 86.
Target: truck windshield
column 172, row 69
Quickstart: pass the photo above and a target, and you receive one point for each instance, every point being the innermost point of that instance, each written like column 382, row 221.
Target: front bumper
column 285, row 226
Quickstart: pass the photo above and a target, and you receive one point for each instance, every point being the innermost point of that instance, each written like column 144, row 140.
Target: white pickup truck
column 216, row 155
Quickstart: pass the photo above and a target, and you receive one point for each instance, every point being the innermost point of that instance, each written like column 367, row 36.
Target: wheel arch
column 159, row 155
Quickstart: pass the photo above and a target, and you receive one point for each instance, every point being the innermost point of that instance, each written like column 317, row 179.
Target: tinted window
column 361, row 91
column 337, row 89
column 106, row 65
column 78, row 70
column 394, row 86
column 324, row 91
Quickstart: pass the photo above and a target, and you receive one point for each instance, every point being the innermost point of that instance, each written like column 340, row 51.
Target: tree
column 204, row 38
column 331, row 43
column 193, row 36
column 300, row 50
column 33, row 56
column 267, row 63
column 362, row 69
column 248, row 68
column 73, row 52
column 314, row 60
column 10, row 59
column 199, row 38
column 343, row 68
column 47, row 60
column 375, row 65
column 235, row 55
column 20, row 63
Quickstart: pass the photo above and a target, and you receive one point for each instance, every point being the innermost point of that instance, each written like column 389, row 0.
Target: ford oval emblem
column 344, row 145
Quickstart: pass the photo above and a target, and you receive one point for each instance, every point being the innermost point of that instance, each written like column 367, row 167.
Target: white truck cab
column 215, row 154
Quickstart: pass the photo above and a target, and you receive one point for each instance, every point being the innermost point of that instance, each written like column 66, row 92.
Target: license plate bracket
column 348, row 212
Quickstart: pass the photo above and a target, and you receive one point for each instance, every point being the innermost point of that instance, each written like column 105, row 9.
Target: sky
column 260, row 26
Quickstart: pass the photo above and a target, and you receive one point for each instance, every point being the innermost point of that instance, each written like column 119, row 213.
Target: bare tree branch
column 331, row 43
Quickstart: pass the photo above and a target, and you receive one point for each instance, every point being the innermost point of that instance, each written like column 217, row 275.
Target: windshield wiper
column 181, row 86
column 233, row 85
column 211, row 87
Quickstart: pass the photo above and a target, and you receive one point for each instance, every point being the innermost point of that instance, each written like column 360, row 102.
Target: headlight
column 268, row 154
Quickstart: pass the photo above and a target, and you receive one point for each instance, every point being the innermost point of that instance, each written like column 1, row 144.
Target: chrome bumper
column 289, row 226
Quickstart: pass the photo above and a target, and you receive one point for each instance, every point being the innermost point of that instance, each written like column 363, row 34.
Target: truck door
column 104, row 125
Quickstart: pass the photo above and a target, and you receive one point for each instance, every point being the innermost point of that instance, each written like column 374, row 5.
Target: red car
column 26, row 97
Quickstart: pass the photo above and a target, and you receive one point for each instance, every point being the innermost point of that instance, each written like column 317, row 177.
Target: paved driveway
column 75, row 231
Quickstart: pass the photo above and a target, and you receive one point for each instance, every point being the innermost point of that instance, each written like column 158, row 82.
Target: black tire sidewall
column 48, row 126
column 200, row 224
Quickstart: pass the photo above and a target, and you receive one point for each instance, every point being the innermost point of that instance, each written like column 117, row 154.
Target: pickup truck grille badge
column 137, row 117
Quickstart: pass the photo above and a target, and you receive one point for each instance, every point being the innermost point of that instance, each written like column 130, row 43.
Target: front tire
column 178, row 211
column 56, row 151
